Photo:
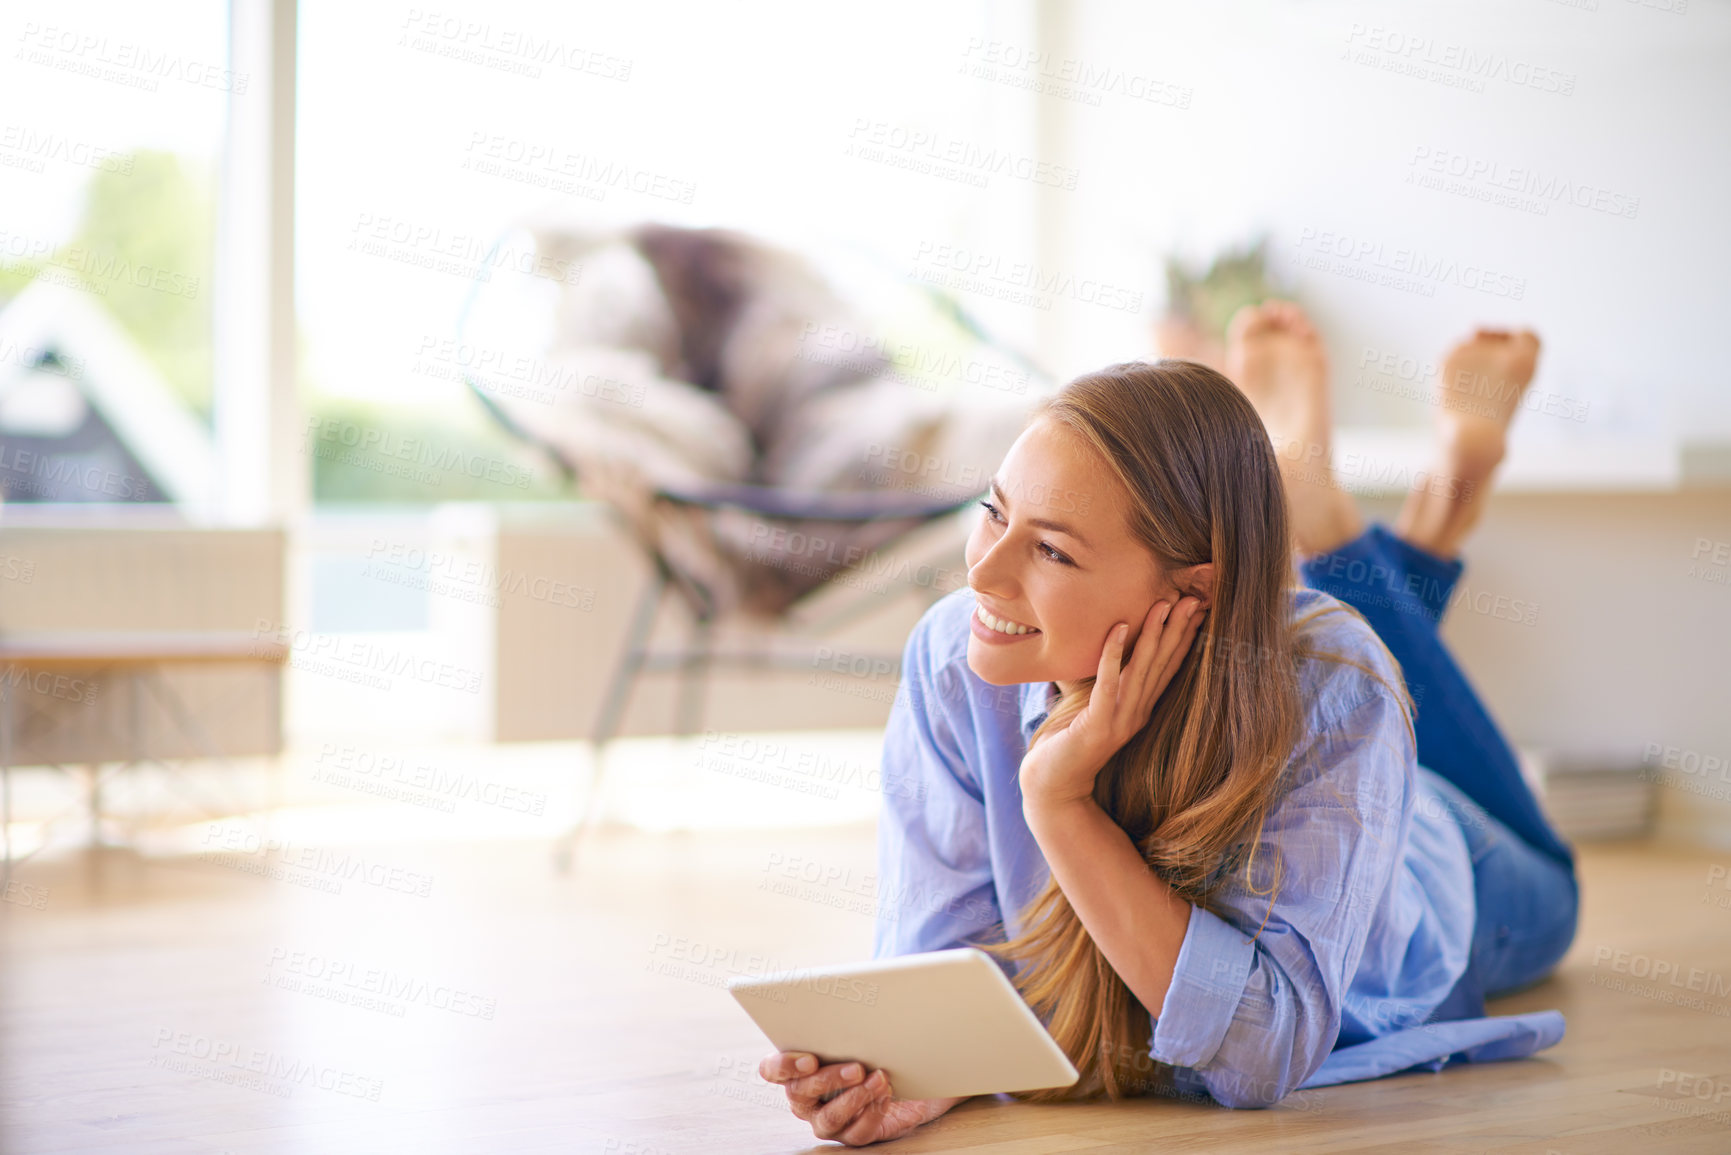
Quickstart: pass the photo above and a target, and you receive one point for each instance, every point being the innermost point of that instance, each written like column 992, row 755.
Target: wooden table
column 135, row 656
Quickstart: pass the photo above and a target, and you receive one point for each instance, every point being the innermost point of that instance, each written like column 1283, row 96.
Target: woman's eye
column 1050, row 553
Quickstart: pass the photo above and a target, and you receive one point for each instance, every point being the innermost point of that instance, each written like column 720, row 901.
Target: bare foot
column 1275, row 356
column 1483, row 380
column 1180, row 337
column 1482, row 383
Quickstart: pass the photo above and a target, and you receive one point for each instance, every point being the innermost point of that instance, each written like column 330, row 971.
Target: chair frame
column 694, row 660
column 698, row 656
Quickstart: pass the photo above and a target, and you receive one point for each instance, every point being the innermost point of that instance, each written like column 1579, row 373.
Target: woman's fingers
column 780, row 1066
column 1128, row 691
column 836, row 1115
column 873, row 1123
column 1111, row 659
column 807, row 1093
column 1126, row 705
column 1146, row 640
column 1154, row 665
column 1173, row 648
column 1173, row 640
column 840, row 1100
column 1155, row 630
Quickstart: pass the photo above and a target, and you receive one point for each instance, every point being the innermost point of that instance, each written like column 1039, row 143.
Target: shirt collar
column 1035, row 707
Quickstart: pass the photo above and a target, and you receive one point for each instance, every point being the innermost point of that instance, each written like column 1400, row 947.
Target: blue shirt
column 1356, row 972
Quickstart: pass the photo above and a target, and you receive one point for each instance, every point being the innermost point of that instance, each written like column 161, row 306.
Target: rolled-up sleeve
column 935, row 885
column 1254, row 1006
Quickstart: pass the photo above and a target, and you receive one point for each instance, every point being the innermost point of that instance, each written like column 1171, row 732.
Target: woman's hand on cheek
column 1062, row 766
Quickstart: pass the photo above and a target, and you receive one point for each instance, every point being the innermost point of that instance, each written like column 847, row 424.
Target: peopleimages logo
column 98, row 269
column 1543, row 187
column 1362, row 258
column 938, row 154
column 1066, row 77
column 308, row 972
column 1456, row 65
column 505, row 47
column 120, row 61
column 1658, row 970
column 976, row 267
column 286, row 1071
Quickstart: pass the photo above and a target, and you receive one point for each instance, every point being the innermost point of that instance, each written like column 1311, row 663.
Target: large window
column 422, row 135
column 110, row 141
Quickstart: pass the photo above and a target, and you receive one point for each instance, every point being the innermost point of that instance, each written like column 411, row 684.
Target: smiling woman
column 1202, row 844
column 1158, row 481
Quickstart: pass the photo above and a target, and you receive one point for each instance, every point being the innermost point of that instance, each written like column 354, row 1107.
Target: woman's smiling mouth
column 991, row 628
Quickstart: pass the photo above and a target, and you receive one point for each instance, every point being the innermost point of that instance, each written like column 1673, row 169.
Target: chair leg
column 566, row 846
column 6, row 780
column 693, row 679
column 619, row 687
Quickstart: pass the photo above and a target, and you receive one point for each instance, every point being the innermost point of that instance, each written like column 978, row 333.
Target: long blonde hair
column 1194, row 786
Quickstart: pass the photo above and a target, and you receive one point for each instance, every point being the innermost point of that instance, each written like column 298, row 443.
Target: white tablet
column 940, row 1023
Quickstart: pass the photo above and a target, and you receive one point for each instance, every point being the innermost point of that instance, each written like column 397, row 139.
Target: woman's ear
column 1196, row 581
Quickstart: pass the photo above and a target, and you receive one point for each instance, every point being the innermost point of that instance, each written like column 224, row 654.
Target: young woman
column 1230, row 835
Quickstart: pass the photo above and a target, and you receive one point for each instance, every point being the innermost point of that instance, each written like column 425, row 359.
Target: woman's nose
column 989, row 574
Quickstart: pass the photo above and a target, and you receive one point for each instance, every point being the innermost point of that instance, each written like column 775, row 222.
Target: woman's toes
column 1246, row 321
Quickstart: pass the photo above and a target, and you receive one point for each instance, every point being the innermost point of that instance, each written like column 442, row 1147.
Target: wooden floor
column 467, row 998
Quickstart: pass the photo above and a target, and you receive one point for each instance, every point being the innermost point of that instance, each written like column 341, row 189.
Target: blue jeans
column 1524, row 875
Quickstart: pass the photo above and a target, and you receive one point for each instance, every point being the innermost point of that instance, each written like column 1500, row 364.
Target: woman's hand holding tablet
column 845, row 1102
column 945, row 1025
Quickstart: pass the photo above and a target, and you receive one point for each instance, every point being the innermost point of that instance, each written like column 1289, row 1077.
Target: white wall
column 1312, row 123
column 1630, row 641
column 1297, row 124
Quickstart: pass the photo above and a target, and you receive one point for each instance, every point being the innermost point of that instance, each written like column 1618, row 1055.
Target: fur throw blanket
column 676, row 359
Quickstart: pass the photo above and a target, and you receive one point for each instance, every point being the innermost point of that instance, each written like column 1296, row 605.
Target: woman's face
column 1054, row 552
